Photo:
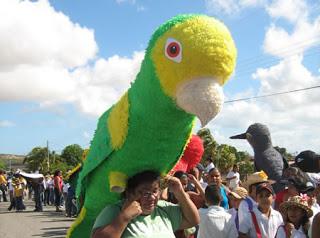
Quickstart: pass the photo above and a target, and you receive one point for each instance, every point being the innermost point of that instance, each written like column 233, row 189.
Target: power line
column 272, row 94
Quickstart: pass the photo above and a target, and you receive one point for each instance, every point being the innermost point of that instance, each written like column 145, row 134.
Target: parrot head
column 193, row 56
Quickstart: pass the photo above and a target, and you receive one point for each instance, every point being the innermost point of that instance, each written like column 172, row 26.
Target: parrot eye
column 173, row 50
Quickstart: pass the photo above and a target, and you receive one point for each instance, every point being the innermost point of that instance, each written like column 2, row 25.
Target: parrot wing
column 100, row 150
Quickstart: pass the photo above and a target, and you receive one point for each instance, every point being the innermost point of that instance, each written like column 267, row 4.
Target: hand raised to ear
column 131, row 208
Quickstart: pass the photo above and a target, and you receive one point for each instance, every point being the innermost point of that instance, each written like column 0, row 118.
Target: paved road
column 30, row 224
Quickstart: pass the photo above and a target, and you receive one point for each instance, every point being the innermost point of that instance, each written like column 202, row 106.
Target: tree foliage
column 209, row 143
column 72, row 154
column 284, row 153
column 225, row 156
column 37, row 159
column 2, row 165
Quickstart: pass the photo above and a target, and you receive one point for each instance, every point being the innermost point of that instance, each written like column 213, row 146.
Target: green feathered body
column 156, row 135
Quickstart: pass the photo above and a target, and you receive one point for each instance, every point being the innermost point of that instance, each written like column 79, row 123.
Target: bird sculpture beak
column 240, row 136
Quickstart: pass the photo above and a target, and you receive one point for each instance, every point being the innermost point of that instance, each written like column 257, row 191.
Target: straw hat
column 239, row 193
column 257, row 177
column 297, row 201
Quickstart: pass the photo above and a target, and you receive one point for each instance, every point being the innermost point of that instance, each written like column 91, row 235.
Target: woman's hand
column 175, row 186
column 131, row 209
column 289, row 228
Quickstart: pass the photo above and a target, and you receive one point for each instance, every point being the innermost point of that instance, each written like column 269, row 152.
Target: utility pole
column 48, row 162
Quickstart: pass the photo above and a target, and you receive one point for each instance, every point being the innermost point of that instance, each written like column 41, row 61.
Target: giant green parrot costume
column 187, row 61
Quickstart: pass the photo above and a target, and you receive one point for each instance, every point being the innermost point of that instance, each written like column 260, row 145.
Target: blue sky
column 63, row 63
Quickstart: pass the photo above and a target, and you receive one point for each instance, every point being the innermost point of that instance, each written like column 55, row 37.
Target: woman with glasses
column 142, row 214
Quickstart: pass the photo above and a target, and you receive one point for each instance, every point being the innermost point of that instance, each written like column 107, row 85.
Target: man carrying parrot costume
column 187, row 61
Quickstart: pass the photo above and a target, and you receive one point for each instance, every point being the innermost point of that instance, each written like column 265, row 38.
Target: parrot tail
column 82, row 225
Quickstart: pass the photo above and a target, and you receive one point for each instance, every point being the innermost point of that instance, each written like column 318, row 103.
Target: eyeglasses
column 148, row 194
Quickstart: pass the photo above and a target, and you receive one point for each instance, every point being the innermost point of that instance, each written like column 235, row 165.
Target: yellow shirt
column 3, row 179
column 19, row 187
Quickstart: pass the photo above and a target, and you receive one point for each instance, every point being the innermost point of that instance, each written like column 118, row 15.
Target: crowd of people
column 199, row 203
column 202, row 203
column 49, row 190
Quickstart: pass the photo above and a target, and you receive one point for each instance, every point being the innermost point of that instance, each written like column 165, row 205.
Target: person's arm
column 197, row 185
column 190, row 215
column 130, row 210
column 164, row 194
column 316, row 226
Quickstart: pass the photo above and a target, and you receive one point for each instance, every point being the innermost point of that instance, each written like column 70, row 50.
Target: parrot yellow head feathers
column 192, row 60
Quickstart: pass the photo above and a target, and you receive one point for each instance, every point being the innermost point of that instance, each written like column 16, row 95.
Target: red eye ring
column 173, row 49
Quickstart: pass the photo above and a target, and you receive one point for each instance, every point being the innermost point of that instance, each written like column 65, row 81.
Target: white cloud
column 6, row 123
column 34, row 33
column 39, row 45
column 279, row 42
column 226, row 6
column 231, row 7
column 103, row 84
column 291, row 10
column 293, row 119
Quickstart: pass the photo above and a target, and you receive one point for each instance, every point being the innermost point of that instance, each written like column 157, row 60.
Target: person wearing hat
column 264, row 220
column 296, row 213
column 266, row 157
column 247, row 204
column 235, row 197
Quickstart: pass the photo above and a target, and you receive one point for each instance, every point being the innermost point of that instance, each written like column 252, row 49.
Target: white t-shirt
column 216, row 222
column 268, row 226
column 295, row 233
column 243, row 210
column 209, row 167
column 233, row 183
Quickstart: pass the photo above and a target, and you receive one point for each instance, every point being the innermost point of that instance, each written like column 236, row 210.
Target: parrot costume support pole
column 187, row 61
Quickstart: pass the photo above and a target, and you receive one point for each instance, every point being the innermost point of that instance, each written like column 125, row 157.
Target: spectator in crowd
column 169, row 196
column 233, row 177
column 19, row 184
column 57, row 181
column 11, row 194
column 3, row 185
column 249, row 203
column 47, row 190
column 214, row 176
column 235, row 197
column 296, row 213
column 208, row 163
column 264, row 220
column 142, row 213
column 38, row 188
column 71, row 208
column 214, row 220
column 315, row 231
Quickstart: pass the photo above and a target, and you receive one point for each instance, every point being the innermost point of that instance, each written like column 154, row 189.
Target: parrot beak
column 202, row 97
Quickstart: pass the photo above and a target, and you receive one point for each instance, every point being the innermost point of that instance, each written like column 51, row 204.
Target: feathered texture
column 147, row 129
column 191, row 156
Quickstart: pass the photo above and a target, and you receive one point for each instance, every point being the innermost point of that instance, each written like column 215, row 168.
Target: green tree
column 225, row 157
column 37, row 159
column 209, row 143
column 2, row 165
column 72, row 154
column 284, row 153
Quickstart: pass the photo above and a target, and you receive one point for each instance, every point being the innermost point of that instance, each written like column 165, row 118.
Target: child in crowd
column 264, row 220
column 214, row 220
column 296, row 213
column 235, row 197
column 19, row 185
